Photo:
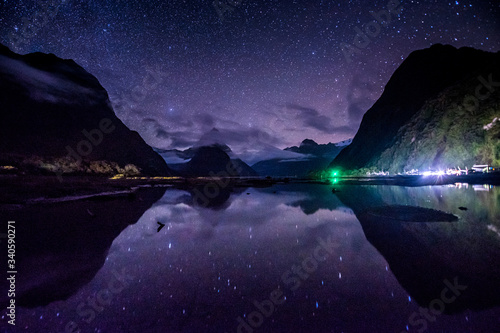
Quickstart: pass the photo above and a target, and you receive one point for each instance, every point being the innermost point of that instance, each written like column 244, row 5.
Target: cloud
column 249, row 144
column 161, row 136
column 173, row 132
column 46, row 86
column 175, row 139
column 313, row 119
column 206, row 120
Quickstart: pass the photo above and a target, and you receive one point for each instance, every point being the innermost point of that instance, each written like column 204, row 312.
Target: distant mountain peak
column 310, row 147
column 209, row 160
column 344, row 143
column 308, row 142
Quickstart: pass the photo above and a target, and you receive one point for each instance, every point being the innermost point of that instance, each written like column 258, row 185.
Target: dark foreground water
column 291, row 258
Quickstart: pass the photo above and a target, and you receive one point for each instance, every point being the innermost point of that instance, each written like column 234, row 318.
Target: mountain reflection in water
column 213, row 268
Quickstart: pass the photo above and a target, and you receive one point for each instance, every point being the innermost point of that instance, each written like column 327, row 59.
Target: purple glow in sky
column 275, row 71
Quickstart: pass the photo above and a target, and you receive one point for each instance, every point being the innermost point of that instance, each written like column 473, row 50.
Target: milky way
column 281, row 71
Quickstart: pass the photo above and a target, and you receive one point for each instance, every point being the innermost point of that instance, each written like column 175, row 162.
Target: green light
column 334, row 173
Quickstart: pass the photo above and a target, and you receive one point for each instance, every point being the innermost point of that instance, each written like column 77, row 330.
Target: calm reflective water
column 291, row 258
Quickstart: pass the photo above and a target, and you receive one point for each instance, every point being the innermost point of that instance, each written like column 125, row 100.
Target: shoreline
column 33, row 189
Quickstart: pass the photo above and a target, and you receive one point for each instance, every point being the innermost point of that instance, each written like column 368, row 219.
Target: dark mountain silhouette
column 213, row 160
column 421, row 248
column 190, row 152
column 421, row 121
column 309, row 146
column 315, row 157
column 56, row 117
column 243, row 168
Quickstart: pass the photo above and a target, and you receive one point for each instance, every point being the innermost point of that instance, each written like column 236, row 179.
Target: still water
column 288, row 258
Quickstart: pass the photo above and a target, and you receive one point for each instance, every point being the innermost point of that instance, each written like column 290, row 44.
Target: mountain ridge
column 421, row 78
column 312, row 157
column 57, row 118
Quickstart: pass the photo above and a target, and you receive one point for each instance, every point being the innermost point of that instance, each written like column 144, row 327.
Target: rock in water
column 409, row 214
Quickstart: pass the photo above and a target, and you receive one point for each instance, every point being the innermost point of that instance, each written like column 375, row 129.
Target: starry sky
column 269, row 70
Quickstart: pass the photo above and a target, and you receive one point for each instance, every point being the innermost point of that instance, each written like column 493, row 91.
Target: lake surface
column 288, row 258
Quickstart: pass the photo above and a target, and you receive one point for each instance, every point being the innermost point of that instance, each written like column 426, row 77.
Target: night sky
column 274, row 71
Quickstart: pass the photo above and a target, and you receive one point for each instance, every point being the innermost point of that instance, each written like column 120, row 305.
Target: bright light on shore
column 433, row 173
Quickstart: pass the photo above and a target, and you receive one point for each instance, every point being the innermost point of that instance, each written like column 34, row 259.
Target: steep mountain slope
column 444, row 134
column 421, row 121
column 56, row 117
